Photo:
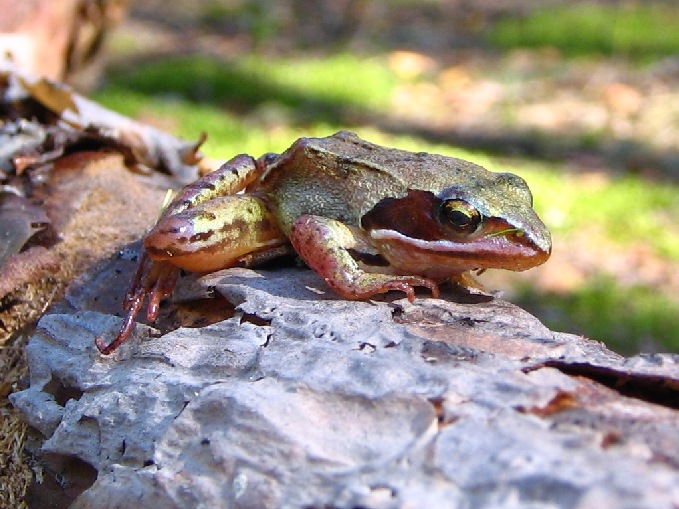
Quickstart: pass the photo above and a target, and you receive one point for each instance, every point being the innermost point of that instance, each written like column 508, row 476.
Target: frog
column 366, row 218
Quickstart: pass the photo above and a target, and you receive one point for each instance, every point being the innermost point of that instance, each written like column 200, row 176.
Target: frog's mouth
column 455, row 232
column 510, row 250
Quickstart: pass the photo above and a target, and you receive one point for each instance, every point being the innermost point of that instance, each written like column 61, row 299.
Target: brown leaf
column 143, row 145
column 19, row 221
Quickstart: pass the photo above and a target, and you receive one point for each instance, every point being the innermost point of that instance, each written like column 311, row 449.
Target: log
column 302, row 400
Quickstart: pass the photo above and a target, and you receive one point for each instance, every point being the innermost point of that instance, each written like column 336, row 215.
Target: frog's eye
column 460, row 216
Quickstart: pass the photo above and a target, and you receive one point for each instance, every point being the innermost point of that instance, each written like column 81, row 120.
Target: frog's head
column 488, row 222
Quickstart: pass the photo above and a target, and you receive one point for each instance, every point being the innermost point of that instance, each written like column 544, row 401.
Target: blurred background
column 579, row 98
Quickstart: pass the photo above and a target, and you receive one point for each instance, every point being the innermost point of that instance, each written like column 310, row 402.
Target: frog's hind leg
column 214, row 235
column 326, row 246
column 230, row 178
column 156, row 278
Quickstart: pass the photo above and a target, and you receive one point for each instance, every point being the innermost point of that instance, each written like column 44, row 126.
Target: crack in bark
column 654, row 389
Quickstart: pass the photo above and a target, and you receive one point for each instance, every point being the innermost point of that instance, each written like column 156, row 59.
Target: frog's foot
column 326, row 245
column 154, row 280
column 369, row 285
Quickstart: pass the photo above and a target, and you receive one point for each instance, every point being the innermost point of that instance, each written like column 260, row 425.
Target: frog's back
column 413, row 170
column 343, row 176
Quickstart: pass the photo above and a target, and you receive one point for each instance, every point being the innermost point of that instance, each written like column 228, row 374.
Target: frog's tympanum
column 367, row 219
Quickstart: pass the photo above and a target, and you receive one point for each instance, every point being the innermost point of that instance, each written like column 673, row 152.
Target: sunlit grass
column 626, row 210
column 636, row 30
column 309, row 88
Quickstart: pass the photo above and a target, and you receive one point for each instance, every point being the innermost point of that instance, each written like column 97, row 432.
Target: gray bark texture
column 304, row 400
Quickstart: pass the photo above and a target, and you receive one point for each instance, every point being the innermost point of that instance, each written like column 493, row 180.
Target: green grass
column 306, row 89
column 261, row 21
column 626, row 319
column 228, row 135
column 639, row 31
column 626, row 210
column 252, row 104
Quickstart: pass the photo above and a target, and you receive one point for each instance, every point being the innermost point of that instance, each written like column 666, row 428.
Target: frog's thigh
column 215, row 234
column 324, row 244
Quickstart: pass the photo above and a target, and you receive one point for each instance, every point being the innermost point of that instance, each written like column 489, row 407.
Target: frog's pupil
column 458, row 218
column 461, row 216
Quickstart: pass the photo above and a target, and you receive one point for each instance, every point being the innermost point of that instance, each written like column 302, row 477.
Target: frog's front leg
column 326, row 246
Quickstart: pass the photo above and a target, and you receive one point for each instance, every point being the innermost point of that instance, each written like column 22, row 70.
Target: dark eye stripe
column 414, row 216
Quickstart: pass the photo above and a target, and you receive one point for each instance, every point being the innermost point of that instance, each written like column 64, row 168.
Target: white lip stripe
column 430, row 245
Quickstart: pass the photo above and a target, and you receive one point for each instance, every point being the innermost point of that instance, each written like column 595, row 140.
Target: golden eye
column 460, row 216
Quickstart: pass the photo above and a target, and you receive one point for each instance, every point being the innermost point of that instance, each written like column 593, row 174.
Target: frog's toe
column 125, row 329
column 161, row 285
column 153, row 280
column 409, row 283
